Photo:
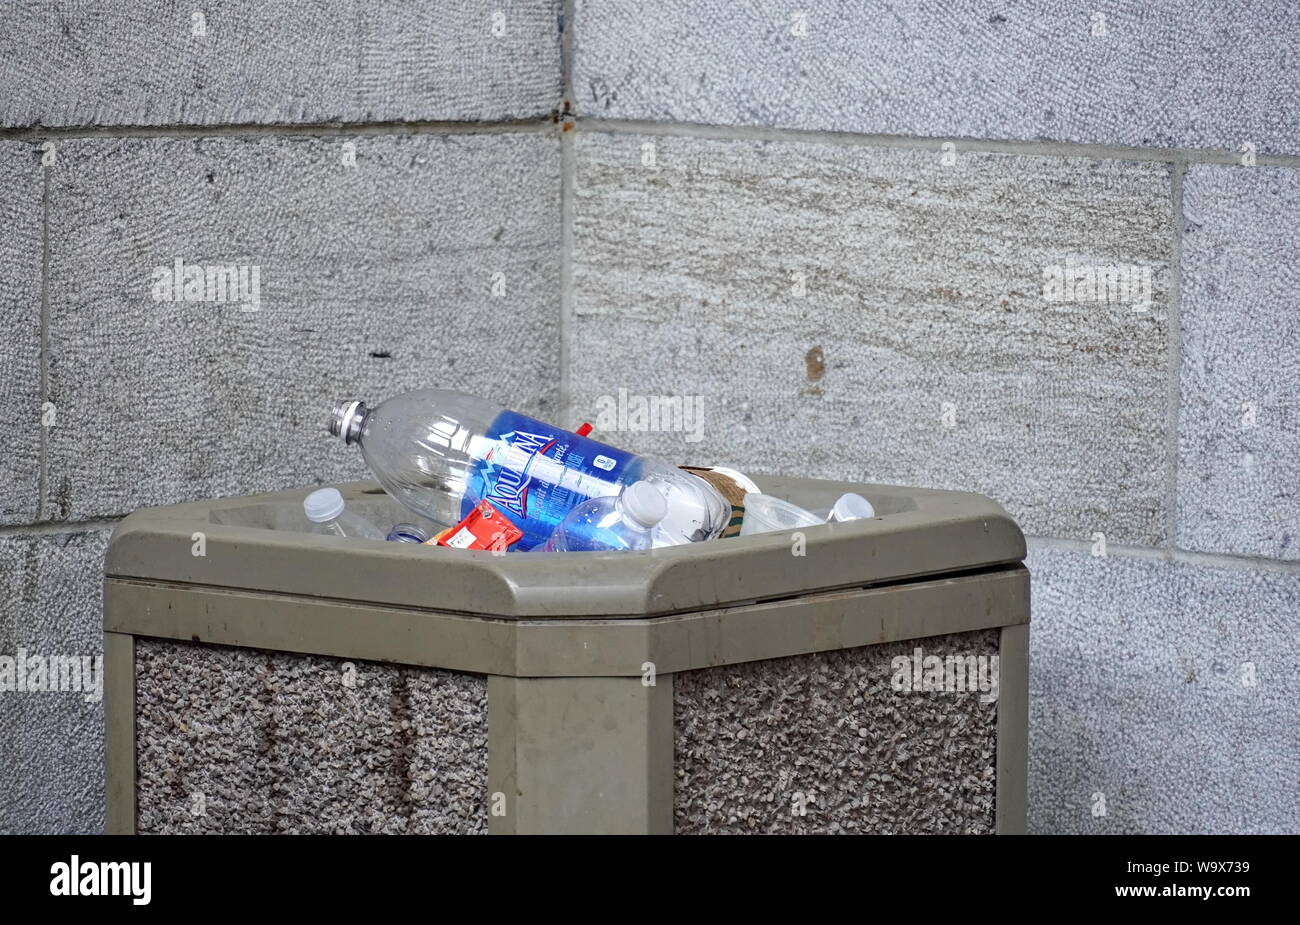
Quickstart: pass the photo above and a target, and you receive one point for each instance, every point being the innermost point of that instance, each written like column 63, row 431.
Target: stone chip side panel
column 247, row 741
column 754, row 740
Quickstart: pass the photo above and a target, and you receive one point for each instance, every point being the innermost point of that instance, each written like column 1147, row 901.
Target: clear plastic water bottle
column 627, row 521
column 767, row 513
column 329, row 516
column 850, row 507
column 408, row 533
column 441, row 452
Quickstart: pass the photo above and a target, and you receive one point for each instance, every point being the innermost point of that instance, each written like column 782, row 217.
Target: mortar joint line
column 568, row 177
column 1093, row 150
column 59, row 527
column 1174, row 334
column 43, row 436
column 538, row 123
column 1039, row 148
column 1238, row 561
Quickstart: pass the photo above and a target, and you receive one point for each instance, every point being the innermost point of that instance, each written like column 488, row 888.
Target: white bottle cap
column 322, row 505
column 852, row 507
column 643, row 504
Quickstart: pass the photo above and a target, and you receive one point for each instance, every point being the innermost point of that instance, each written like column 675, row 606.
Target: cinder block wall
column 829, row 222
column 832, row 221
column 391, row 168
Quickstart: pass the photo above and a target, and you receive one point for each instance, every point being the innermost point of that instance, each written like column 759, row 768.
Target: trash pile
column 486, row 477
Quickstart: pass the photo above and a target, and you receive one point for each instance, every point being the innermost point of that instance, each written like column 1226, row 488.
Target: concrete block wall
column 828, row 222
column 833, row 223
column 392, row 172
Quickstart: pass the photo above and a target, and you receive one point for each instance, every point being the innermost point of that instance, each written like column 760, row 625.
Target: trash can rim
column 920, row 532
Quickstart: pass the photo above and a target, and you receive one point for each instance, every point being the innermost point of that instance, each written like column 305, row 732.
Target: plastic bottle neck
column 348, row 419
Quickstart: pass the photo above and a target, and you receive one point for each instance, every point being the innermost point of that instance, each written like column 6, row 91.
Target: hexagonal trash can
column 868, row 676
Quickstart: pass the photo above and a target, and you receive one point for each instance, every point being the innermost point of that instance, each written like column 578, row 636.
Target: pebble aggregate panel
column 248, row 741
column 826, row 743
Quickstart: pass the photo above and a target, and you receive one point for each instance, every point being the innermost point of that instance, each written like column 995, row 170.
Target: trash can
column 868, row 676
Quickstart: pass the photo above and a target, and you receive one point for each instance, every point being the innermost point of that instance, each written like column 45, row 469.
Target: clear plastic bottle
column 766, row 513
column 627, row 521
column 441, row 452
column 850, row 507
column 408, row 533
column 329, row 516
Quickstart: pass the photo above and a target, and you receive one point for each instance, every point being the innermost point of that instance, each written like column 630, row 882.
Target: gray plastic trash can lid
column 233, row 543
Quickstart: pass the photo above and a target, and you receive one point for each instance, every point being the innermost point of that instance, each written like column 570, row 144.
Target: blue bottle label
column 535, row 473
